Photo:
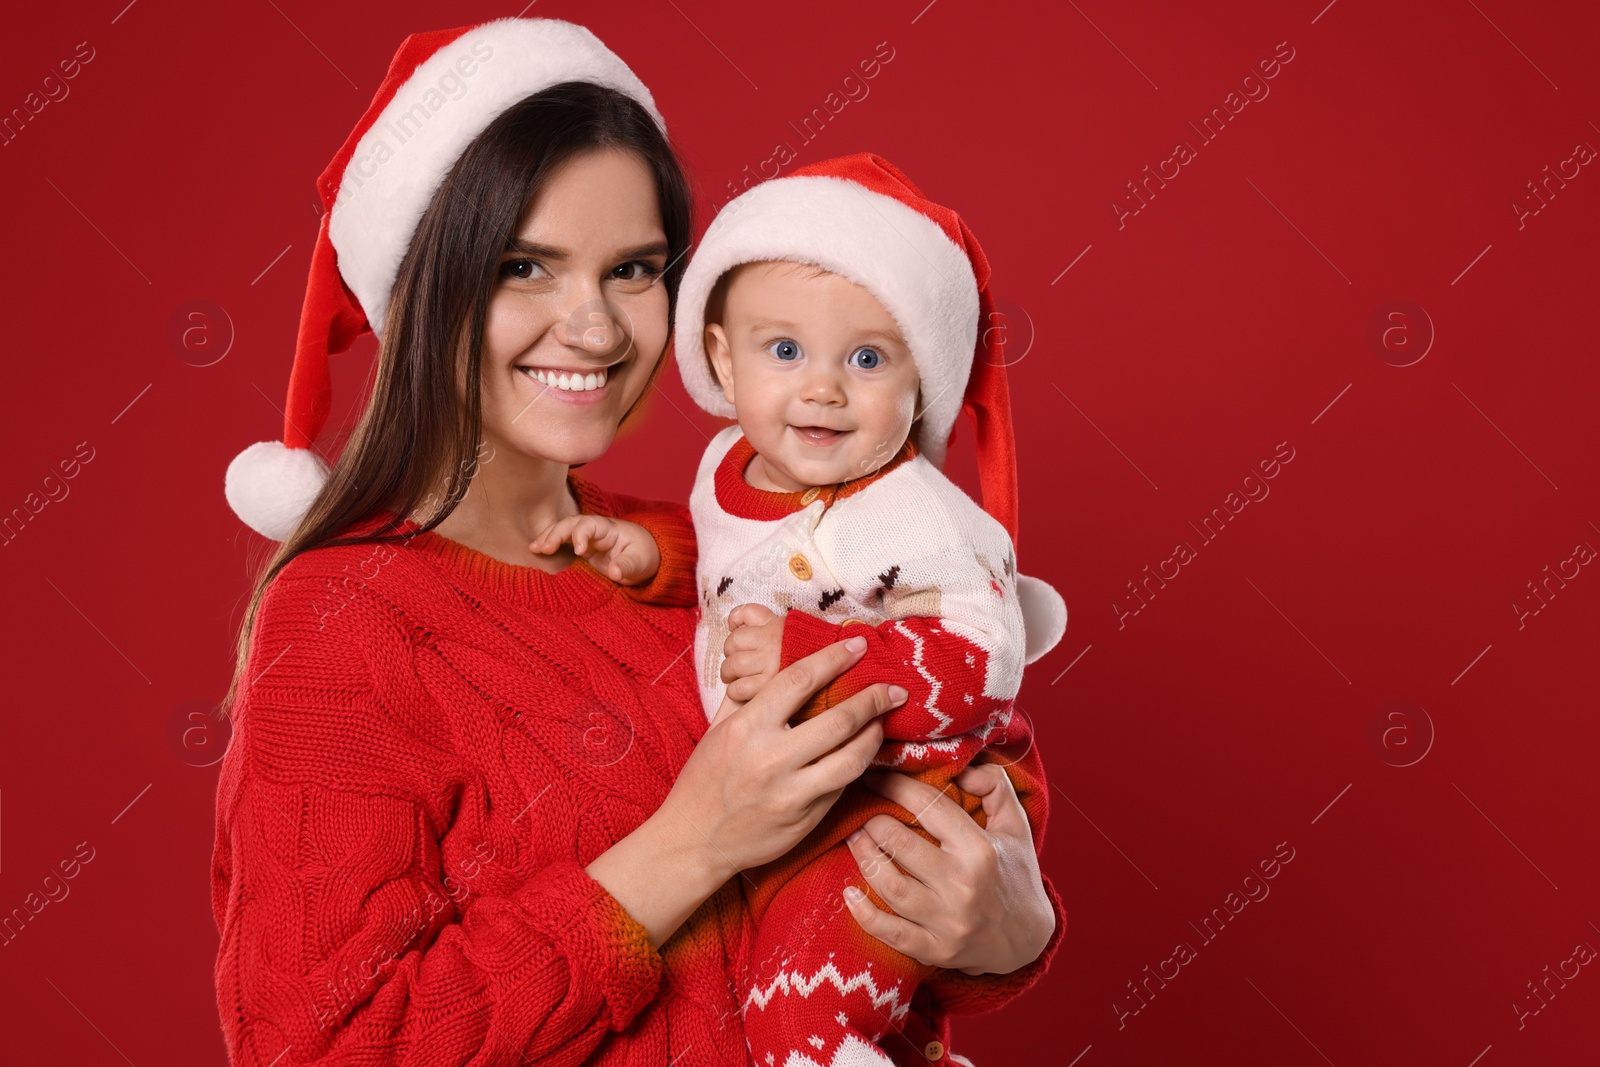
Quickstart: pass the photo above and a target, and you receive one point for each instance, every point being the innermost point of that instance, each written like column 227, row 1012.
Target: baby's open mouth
column 818, row 435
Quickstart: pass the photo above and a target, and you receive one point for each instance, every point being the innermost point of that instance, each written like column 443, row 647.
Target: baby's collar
column 741, row 499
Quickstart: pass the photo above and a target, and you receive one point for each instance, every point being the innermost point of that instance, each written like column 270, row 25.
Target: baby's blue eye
column 785, row 350
column 865, row 358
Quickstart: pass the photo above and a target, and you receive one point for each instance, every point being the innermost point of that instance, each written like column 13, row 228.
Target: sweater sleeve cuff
column 804, row 633
column 674, row 581
column 605, row 947
column 971, row 994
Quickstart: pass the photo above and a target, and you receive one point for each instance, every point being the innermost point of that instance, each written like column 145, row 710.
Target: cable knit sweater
column 430, row 746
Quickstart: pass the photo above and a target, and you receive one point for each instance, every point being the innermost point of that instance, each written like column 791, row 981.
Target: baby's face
column 822, row 381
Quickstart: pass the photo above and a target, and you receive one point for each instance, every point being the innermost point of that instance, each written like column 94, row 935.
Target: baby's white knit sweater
column 908, row 553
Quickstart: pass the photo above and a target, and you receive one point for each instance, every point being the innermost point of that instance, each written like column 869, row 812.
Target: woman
column 472, row 811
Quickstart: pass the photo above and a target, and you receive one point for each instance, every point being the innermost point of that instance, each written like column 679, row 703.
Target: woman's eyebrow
column 526, row 248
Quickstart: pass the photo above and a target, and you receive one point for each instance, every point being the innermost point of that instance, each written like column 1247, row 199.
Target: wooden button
column 852, row 622
column 934, row 1050
column 800, row 567
column 809, row 495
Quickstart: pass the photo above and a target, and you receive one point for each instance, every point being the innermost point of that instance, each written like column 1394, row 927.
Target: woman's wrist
column 661, row 872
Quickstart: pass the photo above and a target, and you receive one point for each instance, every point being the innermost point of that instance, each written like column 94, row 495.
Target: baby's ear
column 721, row 356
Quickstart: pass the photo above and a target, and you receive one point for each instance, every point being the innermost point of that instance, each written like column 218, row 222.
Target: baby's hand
column 623, row 551
column 753, row 650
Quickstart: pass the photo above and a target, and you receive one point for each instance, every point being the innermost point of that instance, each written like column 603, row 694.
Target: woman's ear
column 721, row 355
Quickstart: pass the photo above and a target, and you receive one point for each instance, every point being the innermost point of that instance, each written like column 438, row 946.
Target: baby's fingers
column 740, row 665
column 596, row 536
column 742, row 689
column 580, row 530
column 553, row 536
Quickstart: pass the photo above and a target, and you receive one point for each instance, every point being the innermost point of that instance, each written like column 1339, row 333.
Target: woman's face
column 578, row 317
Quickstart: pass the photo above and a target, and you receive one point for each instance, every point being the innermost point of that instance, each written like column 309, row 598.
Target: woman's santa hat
column 859, row 217
column 442, row 89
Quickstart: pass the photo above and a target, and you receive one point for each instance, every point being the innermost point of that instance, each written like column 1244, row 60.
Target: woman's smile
column 577, row 320
column 575, row 386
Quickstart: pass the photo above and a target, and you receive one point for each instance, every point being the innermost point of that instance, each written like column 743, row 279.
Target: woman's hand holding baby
column 751, row 789
column 753, row 651
column 754, row 785
column 973, row 902
column 623, row 551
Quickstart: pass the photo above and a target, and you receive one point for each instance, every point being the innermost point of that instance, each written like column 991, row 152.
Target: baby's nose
column 822, row 383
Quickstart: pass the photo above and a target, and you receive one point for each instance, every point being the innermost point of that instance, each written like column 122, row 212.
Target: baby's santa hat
column 442, row 89
column 859, row 217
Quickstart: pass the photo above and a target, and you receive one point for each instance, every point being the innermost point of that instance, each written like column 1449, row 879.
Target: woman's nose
column 595, row 327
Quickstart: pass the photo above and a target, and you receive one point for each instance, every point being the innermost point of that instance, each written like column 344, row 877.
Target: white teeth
column 573, row 383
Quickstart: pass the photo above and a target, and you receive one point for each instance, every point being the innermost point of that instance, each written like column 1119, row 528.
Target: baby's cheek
column 761, row 394
column 887, row 421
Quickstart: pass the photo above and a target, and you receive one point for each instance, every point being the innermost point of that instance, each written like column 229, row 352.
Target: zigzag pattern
column 996, row 726
column 797, row 982
column 935, row 685
column 905, row 750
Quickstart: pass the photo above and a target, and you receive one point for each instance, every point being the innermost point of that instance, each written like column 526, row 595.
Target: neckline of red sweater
column 576, row 588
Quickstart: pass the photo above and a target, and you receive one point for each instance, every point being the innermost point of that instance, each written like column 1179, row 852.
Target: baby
column 834, row 313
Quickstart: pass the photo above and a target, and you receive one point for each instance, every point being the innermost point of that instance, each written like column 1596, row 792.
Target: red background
column 1231, row 314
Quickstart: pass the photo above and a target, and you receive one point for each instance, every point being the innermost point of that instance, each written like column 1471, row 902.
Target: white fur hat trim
column 894, row 251
column 403, row 158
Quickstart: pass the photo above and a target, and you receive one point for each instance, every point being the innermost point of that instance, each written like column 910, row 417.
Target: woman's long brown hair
column 414, row 430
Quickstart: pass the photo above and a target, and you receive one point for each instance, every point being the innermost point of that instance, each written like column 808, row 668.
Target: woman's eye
column 635, row 271
column 865, row 358
column 521, row 269
column 785, row 350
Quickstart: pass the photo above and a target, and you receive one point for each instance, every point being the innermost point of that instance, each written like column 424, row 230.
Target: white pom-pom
column 271, row 486
column 1044, row 616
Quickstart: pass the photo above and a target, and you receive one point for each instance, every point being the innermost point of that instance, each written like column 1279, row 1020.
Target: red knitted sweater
column 429, row 747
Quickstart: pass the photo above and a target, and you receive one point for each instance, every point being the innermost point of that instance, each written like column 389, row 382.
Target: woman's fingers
column 730, row 704
column 889, row 852
column 938, row 814
column 837, row 768
column 823, row 733
column 892, row 930
column 879, row 848
column 848, row 736
column 1003, row 813
column 792, row 686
